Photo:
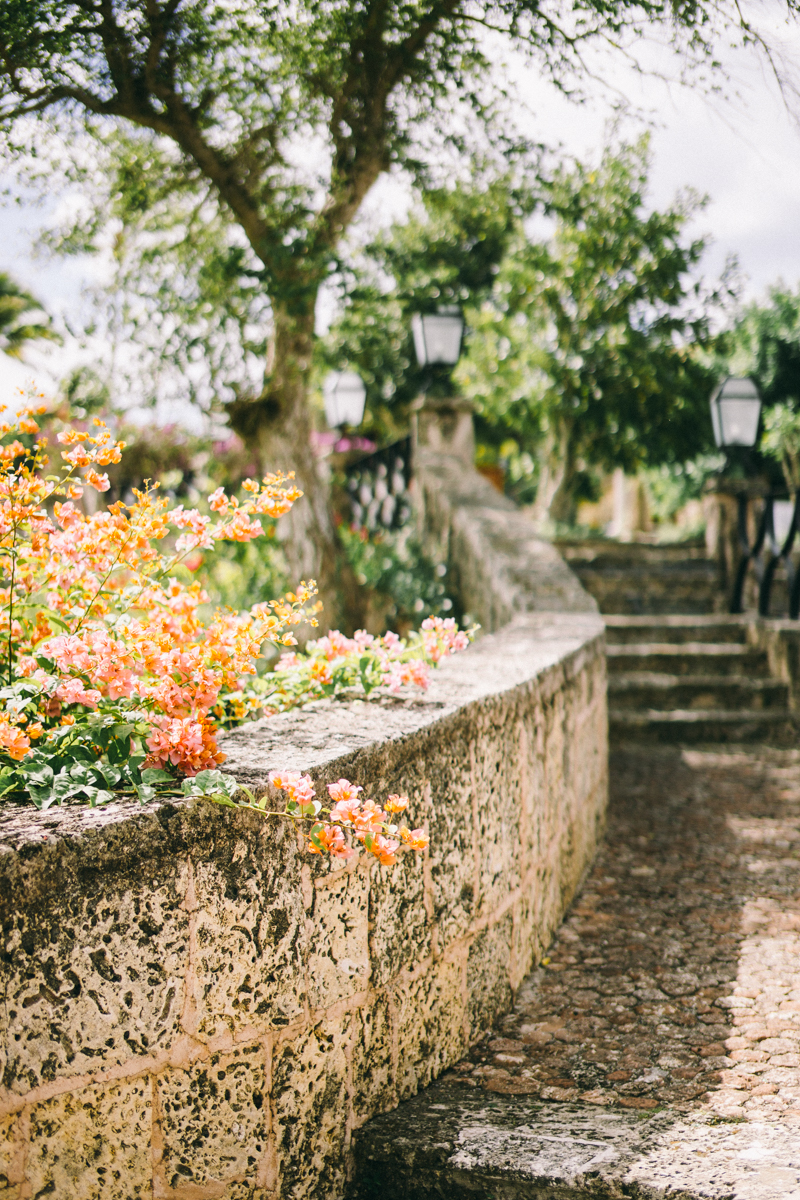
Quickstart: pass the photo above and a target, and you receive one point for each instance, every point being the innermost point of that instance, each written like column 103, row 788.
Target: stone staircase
column 636, row 578
column 691, row 679
column 679, row 670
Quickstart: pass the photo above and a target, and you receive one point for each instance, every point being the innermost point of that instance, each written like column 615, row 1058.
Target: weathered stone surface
column 213, row 1119
column 94, row 1144
column 98, row 975
column 489, row 975
column 11, row 1174
column 338, row 950
column 373, row 1057
column 431, row 1023
column 272, row 1001
column 309, row 1077
column 250, row 930
column 448, row 1142
column 398, row 915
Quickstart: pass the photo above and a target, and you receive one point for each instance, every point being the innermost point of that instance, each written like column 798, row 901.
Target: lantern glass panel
column 735, row 413
column 437, row 338
column 739, row 421
column 345, row 396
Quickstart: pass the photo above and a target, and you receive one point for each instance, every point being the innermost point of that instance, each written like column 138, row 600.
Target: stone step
column 716, row 628
column 659, row 574
column 463, row 1144
column 687, row 658
column 690, row 727
column 643, row 690
column 629, row 592
column 631, row 554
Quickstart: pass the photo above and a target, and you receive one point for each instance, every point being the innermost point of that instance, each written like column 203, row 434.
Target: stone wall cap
column 442, row 404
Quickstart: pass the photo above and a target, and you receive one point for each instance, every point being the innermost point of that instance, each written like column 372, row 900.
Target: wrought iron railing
column 776, row 527
column 378, row 487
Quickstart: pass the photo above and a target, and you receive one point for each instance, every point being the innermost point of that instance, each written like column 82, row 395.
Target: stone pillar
column 720, row 510
column 723, row 545
column 630, row 514
column 443, row 426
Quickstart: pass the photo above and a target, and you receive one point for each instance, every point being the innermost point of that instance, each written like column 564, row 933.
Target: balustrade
column 767, row 532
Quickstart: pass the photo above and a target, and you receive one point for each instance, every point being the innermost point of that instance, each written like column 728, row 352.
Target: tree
column 15, row 330
column 583, row 348
column 764, row 342
column 589, row 344
column 281, row 117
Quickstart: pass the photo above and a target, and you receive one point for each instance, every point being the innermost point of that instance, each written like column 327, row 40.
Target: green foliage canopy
column 448, row 251
column 590, row 336
column 582, row 346
column 764, row 341
column 285, row 114
column 17, row 307
column 280, row 117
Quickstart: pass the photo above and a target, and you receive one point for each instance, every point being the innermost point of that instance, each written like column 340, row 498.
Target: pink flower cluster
column 361, row 818
column 441, row 637
column 336, row 663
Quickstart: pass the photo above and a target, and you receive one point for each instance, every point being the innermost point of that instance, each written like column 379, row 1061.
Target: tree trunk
column 277, row 425
column 554, row 501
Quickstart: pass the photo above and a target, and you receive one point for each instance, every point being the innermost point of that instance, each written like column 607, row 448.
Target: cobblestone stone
column 675, row 978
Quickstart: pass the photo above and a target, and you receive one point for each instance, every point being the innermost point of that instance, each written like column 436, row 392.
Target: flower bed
column 116, row 683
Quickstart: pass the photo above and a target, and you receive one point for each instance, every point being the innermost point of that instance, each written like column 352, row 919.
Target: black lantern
column 345, row 396
column 735, row 412
column 437, row 337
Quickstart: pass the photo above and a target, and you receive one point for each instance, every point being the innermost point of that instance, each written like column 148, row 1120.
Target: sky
column 742, row 150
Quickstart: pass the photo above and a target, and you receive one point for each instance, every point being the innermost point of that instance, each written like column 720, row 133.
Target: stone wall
column 781, row 640
column 194, row 1007
column 497, row 562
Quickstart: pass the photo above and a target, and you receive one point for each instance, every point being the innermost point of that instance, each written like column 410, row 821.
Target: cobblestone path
column 675, row 979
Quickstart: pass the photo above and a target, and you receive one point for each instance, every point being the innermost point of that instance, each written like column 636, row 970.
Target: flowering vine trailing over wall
column 350, row 819
column 115, row 685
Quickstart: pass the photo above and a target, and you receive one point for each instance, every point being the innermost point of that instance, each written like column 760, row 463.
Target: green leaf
column 98, row 796
column 145, row 792
column 10, row 780
column 153, row 775
column 112, row 774
column 41, row 776
column 209, row 783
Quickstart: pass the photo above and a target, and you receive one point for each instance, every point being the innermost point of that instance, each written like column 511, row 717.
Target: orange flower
column 415, row 839
column 332, row 841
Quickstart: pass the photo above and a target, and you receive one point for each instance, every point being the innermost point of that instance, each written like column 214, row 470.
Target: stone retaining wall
column 194, row 1007
column 498, row 564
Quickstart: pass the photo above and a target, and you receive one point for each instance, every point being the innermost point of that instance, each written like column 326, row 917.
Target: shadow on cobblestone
column 675, row 979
